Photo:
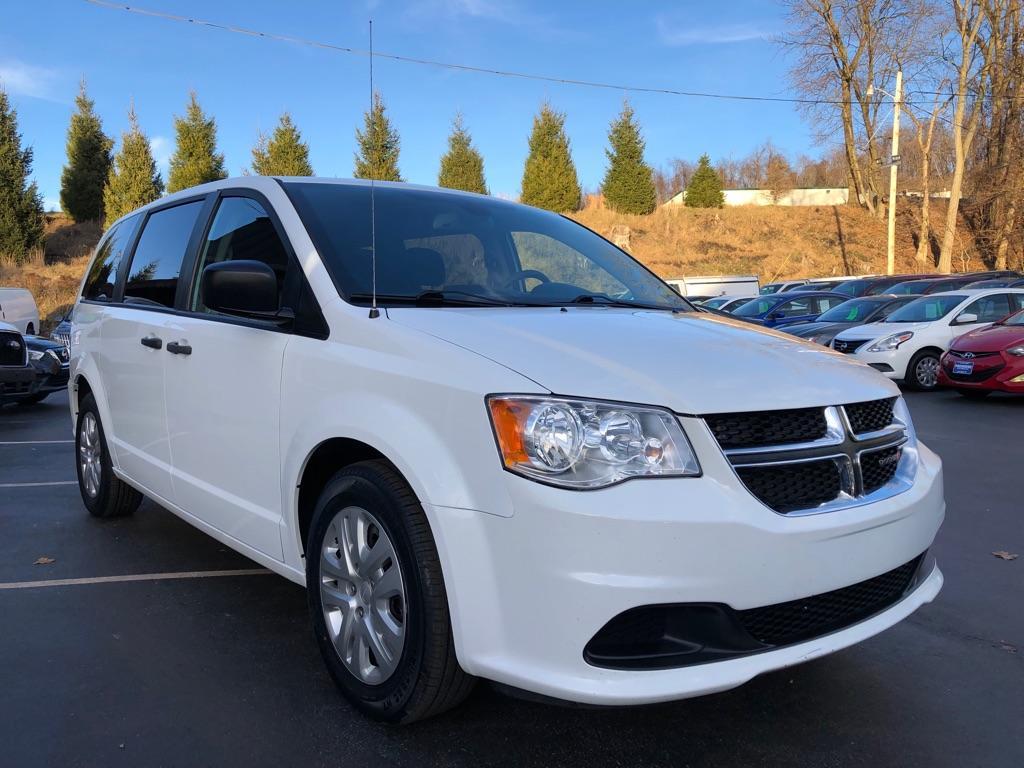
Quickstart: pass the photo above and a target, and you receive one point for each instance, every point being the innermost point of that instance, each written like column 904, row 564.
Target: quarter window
column 102, row 279
column 241, row 231
column 156, row 265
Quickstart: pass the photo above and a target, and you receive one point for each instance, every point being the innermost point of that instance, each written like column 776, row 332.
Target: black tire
column 918, row 379
column 114, row 497
column 427, row 679
column 975, row 394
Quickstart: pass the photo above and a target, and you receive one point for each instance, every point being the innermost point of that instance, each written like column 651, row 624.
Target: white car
column 908, row 345
column 527, row 460
column 726, row 303
column 18, row 308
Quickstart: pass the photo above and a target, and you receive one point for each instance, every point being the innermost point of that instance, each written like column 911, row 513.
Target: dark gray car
column 866, row 309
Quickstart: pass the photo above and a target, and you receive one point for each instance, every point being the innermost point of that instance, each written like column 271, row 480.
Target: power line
column 453, row 66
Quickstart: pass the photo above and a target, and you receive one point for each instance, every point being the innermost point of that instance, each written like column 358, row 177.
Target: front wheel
column 377, row 598
column 923, row 371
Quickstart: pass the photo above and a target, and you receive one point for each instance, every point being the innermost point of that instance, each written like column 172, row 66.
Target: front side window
column 446, row 247
column 794, row 308
column 754, row 308
column 156, row 265
column 241, row 230
column 102, row 279
column 926, row 308
column 989, row 309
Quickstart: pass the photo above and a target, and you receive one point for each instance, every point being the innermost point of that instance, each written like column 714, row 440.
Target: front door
column 223, row 380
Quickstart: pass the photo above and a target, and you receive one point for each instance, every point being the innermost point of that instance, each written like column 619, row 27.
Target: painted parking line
column 35, row 442
column 37, row 485
column 133, row 577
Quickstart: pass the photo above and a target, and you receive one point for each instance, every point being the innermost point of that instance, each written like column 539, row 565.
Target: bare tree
column 924, row 130
column 970, row 64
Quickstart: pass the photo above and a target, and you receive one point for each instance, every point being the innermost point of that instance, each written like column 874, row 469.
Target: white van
column 716, row 285
column 18, row 308
column 493, row 470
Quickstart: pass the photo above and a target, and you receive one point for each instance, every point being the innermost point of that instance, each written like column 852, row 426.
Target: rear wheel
column 377, row 598
column 923, row 371
column 104, row 494
column 975, row 394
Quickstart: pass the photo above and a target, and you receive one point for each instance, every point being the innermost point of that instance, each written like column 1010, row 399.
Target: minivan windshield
column 926, row 308
column 436, row 247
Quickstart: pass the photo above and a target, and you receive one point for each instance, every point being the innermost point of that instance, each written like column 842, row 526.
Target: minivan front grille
column 12, row 349
column 749, row 430
column 801, row 461
column 870, row 416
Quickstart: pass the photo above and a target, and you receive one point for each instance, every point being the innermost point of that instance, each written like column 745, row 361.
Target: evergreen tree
column 21, row 207
column 705, row 188
column 88, row 150
column 283, row 154
column 629, row 182
column 133, row 180
column 195, row 159
column 378, row 146
column 549, row 178
column 462, row 166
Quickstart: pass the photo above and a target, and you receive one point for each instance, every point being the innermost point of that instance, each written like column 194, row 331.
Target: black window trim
column 186, row 275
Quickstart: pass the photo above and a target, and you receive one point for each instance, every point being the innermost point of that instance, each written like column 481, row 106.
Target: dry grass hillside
column 772, row 242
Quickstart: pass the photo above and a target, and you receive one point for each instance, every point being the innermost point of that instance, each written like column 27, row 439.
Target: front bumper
column 892, row 364
column 996, row 373
column 16, row 382
column 528, row 592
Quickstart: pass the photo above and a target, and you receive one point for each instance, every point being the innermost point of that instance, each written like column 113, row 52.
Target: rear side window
column 156, row 265
column 241, row 231
column 102, row 279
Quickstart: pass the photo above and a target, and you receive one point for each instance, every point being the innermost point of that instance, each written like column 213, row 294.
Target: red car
column 986, row 360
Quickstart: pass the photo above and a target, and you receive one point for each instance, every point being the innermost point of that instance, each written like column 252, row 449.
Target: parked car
column 50, row 361
column 867, row 309
column 873, row 286
column 781, row 287
column 17, row 377
column 491, row 444
column 18, row 308
column 998, row 282
column 779, row 310
column 726, row 303
column 986, row 360
column 62, row 331
column 931, row 285
column 908, row 345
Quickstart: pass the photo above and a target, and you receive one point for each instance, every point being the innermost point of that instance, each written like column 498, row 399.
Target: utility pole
column 894, row 162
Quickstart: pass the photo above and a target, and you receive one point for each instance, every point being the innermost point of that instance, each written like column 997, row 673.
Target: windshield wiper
column 436, row 298
column 608, row 301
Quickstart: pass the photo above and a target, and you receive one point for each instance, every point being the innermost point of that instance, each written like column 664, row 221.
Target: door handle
column 152, row 342
column 178, row 349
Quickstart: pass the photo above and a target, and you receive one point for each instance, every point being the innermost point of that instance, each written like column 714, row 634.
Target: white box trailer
column 719, row 285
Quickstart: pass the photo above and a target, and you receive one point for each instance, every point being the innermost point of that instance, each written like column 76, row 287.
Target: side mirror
column 774, row 316
column 965, row 318
column 241, row 288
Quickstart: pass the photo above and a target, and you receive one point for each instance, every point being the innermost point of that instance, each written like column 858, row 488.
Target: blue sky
column 47, row 45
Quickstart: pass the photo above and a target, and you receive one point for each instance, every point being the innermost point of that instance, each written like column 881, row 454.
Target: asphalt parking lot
column 223, row 670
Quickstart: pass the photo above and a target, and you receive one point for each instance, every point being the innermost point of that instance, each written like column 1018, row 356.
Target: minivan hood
column 691, row 362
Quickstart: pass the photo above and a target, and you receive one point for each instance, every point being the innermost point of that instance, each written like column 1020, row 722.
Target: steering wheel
column 524, row 274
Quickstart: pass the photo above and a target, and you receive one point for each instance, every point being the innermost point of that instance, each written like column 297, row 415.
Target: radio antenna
column 374, row 312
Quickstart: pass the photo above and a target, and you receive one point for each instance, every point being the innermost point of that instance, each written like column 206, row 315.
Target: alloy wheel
column 90, row 455
column 927, row 372
column 362, row 595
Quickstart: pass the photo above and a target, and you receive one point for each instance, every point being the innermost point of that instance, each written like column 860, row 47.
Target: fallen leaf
column 1004, row 555
column 1008, row 647
column 44, row 560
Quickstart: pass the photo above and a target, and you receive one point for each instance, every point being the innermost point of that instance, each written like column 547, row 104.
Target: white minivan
column 18, row 308
column 493, row 445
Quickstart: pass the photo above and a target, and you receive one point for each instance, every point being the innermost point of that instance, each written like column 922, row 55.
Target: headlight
column 1017, row 351
column 889, row 343
column 583, row 444
column 35, row 354
column 50, row 353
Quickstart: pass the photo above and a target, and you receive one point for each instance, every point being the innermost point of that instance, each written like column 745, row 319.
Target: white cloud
column 17, row 77
column 674, row 30
column 502, row 11
column 51, row 204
